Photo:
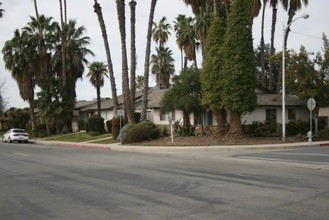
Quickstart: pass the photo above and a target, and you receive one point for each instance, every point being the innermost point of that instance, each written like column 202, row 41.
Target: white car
column 16, row 134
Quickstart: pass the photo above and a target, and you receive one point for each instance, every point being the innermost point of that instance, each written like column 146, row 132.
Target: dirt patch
column 212, row 141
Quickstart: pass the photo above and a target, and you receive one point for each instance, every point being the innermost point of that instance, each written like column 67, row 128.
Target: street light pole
column 285, row 30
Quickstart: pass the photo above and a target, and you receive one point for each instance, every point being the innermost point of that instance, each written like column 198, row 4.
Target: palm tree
column 262, row 45
column 147, row 61
column 294, row 5
column 36, row 8
column 97, row 72
column 18, row 57
column 139, row 83
column 76, row 52
column 98, row 11
column 132, row 5
column 161, row 31
column 163, row 66
column 186, row 37
column 125, row 78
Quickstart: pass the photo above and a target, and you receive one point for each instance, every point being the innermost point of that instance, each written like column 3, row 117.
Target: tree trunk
column 36, row 9
column 98, row 11
column 98, row 90
column 272, row 49
column 235, row 126
column 132, row 5
column 220, row 115
column 31, row 103
column 125, row 77
column 262, row 43
column 147, row 61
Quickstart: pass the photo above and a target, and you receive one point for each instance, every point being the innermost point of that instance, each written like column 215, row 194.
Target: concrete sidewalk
column 137, row 148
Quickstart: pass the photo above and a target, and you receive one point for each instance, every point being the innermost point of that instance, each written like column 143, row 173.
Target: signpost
column 121, row 113
column 311, row 106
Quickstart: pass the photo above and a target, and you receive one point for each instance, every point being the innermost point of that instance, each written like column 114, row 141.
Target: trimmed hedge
column 96, row 124
column 140, row 132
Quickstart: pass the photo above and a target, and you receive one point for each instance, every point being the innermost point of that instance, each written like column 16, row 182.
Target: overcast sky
column 305, row 32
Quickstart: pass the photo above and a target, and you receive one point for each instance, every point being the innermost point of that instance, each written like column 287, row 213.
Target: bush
column 109, row 126
column 86, row 125
column 322, row 135
column 115, row 128
column 96, row 124
column 297, row 127
column 260, row 129
column 81, row 125
column 141, row 132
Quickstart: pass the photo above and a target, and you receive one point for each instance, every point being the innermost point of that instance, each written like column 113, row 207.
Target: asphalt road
column 48, row 182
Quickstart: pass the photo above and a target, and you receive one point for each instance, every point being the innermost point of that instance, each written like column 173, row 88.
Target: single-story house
column 269, row 107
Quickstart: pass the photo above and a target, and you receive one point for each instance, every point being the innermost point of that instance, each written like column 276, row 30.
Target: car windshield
column 20, row 131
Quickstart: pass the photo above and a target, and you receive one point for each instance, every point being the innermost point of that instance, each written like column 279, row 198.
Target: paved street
column 51, row 182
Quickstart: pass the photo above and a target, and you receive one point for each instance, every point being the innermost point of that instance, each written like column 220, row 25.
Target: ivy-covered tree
column 211, row 74
column 184, row 95
column 239, row 78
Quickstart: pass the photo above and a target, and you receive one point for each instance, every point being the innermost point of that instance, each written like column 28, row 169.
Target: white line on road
column 23, row 155
column 302, row 154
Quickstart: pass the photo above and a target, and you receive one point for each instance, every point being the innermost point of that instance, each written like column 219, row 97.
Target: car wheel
column 9, row 140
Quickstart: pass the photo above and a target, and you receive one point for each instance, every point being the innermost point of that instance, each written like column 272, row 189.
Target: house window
column 271, row 114
column 164, row 116
column 291, row 114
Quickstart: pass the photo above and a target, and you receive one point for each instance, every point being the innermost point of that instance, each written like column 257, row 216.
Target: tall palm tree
column 98, row 11
column 125, row 78
column 294, row 5
column 147, row 61
column 36, row 8
column 262, row 45
column 97, row 72
column 63, row 45
column 163, row 66
column 186, row 37
column 132, row 5
column 75, row 51
column 161, row 31
column 18, row 57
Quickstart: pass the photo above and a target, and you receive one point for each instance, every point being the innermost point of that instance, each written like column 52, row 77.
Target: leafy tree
column 97, row 72
column 184, row 95
column 18, row 118
column 239, row 81
column 310, row 78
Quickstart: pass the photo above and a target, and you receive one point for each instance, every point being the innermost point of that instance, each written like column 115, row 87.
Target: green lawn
column 81, row 137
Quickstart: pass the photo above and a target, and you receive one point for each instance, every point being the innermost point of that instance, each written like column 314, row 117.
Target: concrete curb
column 136, row 148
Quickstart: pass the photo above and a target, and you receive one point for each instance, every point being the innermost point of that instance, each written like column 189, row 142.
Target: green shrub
column 115, row 128
column 96, row 124
column 297, row 127
column 109, row 126
column 260, row 129
column 86, row 125
column 141, row 132
column 322, row 135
